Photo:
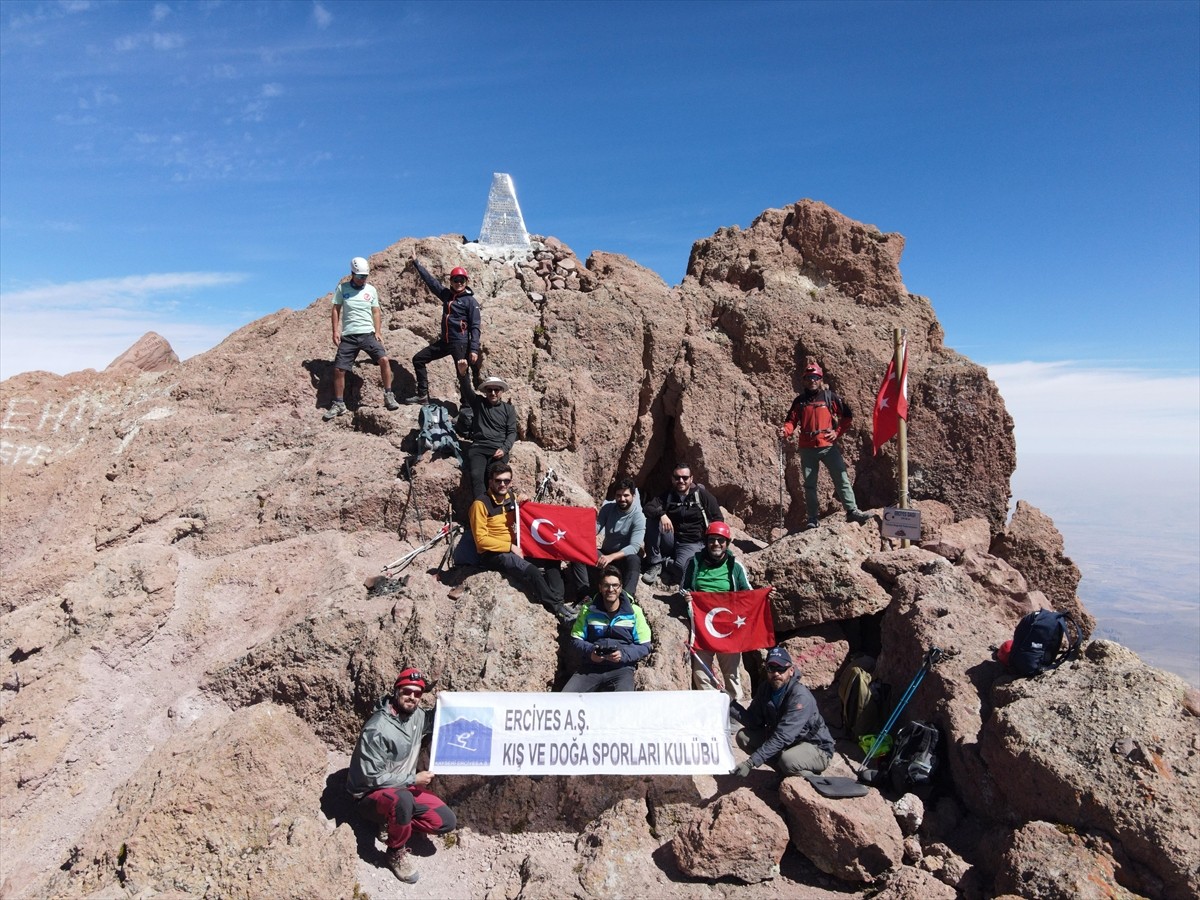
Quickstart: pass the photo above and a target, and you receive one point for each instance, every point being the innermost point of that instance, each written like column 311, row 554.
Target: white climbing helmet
column 358, row 266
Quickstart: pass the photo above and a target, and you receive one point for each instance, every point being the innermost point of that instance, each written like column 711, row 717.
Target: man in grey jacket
column 623, row 525
column 783, row 727
column 384, row 780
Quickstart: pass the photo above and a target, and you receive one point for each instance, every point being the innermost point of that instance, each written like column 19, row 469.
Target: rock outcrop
column 192, row 561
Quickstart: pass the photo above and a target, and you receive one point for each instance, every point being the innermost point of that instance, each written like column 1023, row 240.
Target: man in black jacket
column 493, row 429
column 458, row 332
column 783, row 726
column 675, row 526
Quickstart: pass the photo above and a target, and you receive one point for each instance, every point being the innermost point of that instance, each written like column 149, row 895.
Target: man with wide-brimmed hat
column 493, row 429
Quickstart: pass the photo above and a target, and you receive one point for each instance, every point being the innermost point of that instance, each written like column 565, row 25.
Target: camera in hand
column 607, row 647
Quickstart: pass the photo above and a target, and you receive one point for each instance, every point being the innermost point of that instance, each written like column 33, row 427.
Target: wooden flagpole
column 902, row 435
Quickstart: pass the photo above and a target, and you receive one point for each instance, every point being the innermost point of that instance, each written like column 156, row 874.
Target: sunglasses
column 716, row 540
column 502, row 482
column 411, row 691
column 777, row 670
column 492, row 390
column 681, row 477
column 458, row 279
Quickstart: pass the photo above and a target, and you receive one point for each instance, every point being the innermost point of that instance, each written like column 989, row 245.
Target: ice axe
column 931, row 659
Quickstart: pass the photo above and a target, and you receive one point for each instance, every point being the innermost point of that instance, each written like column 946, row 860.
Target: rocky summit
column 194, row 626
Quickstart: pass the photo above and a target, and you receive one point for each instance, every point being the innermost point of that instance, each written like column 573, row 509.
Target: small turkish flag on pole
column 567, row 533
column 891, row 403
column 732, row 621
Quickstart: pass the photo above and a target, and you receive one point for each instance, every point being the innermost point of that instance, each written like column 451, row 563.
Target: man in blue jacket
column 783, row 727
column 612, row 636
column 383, row 778
column 458, row 334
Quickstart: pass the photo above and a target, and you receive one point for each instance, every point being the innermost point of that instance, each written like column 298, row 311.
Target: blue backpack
column 437, row 433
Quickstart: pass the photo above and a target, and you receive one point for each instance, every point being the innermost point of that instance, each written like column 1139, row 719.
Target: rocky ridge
column 190, row 558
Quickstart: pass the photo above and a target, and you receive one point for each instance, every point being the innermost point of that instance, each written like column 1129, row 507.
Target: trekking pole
column 550, row 475
column 782, row 525
column 451, row 540
column 412, row 497
column 931, row 659
column 399, row 565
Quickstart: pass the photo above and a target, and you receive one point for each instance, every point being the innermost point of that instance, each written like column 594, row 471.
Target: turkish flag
column 558, row 532
column 732, row 621
column 891, row 403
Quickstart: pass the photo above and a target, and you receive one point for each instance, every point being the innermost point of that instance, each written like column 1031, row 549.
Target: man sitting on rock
column 623, row 525
column 612, row 636
column 493, row 522
column 783, row 727
column 383, row 778
column 819, row 417
column 675, row 524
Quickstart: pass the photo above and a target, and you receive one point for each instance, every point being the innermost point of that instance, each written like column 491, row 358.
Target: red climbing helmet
column 720, row 529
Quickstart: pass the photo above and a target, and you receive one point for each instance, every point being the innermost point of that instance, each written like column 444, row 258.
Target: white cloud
column 157, row 40
column 87, row 324
column 1090, row 409
column 160, row 11
column 166, row 41
column 321, row 16
column 272, row 90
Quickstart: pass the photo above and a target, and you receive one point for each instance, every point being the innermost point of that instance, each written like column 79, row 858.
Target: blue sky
column 190, row 167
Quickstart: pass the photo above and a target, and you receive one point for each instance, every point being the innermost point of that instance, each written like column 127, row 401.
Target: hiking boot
column 389, row 400
column 566, row 612
column 382, row 834
column 419, row 397
column 402, row 867
column 650, row 576
column 857, row 515
column 336, row 408
column 812, row 525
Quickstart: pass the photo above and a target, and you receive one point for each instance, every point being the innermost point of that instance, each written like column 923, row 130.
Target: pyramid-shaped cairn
column 503, row 225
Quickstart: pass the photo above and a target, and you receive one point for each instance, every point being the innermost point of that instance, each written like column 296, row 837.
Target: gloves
column 743, row 769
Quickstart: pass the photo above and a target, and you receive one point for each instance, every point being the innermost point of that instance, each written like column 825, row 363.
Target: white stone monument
column 503, row 225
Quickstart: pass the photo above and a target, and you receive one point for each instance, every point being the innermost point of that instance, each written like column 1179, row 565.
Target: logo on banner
column 468, row 739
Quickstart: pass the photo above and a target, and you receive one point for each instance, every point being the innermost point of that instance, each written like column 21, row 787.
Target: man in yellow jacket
column 493, row 522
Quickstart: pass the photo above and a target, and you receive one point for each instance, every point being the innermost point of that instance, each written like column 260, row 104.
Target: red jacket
column 818, row 418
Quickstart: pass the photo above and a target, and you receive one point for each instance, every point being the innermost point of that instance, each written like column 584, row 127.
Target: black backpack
column 1037, row 642
column 914, row 759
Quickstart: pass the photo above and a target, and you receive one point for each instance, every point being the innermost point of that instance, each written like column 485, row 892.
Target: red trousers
column 404, row 809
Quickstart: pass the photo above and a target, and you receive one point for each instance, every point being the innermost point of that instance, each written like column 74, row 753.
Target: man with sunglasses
column 383, row 777
column 817, row 418
column 675, row 524
column 783, row 727
column 458, row 334
column 715, row 570
column 357, row 328
column 493, row 429
column 493, row 522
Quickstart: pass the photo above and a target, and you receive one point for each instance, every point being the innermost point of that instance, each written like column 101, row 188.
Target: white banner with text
column 626, row 733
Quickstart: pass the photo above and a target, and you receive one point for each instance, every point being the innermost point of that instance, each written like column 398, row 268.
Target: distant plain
column 1132, row 525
